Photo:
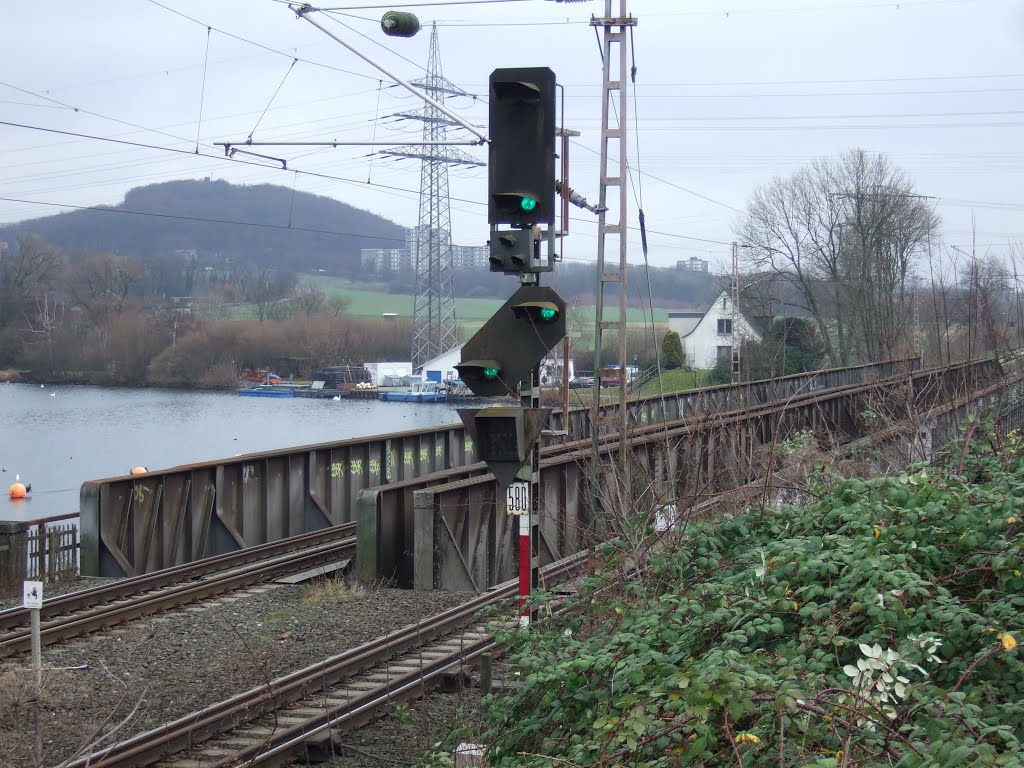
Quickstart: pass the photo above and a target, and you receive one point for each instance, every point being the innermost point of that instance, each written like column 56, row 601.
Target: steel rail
column 77, row 613
column 323, row 712
column 256, row 703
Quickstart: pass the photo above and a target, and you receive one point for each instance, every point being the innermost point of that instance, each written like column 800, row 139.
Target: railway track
column 89, row 610
column 305, row 711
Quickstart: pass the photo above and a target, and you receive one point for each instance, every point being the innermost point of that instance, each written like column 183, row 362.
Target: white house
column 707, row 336
column 442, row 367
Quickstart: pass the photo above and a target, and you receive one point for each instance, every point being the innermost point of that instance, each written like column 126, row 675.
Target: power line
column 315, row 174
column 261, row 225
column 813, row 94
column 728, row 118
column 57, row 103
column 428, row 4
column 832, row 6
column 671, row 184
column 851, row 127
column 217, row 157
column 407, row 60
column 731, row 83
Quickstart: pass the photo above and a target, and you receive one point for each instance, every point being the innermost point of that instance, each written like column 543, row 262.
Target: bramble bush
column 875, row 626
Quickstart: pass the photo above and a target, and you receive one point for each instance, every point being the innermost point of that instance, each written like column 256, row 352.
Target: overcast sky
column 729, row 94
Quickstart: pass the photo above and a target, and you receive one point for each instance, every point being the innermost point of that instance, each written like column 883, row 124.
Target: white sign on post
column 33, row 594
column 517, row 498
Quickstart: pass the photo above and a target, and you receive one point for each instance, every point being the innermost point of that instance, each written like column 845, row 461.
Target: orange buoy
column 17, row 490
column 138, row 471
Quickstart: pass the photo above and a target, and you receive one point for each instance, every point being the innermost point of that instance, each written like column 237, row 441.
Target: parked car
column 581, row 382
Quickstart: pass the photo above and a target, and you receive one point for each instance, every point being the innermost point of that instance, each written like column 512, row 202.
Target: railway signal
column 521, row 160
column 501, row 355
column 521, row 166
column 504, row 437
column 504, row 356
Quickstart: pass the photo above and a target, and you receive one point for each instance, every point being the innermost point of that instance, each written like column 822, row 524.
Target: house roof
column 685, row 323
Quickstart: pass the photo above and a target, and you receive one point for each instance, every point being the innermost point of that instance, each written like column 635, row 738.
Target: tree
column 846, row 233
column 24, row 274
column 672, row 351
column 987, row 295
column 308, row 300
column 338, row 305
column 789, row 345
column 103, row 283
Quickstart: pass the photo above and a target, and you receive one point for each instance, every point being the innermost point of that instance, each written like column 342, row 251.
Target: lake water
column 58, row 437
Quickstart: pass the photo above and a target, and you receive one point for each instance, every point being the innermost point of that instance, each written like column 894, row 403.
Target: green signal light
column 491, row 373
column 547, row 314
column 527, row 204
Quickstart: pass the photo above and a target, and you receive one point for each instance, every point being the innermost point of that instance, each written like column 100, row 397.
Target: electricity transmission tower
column 434, row 329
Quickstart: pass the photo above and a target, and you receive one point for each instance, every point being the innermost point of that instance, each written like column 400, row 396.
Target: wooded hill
column 262, row 225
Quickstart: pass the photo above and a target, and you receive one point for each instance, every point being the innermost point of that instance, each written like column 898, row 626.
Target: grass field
column 367, row 301
column 674, row 381
column 374, row 303
column 671, row 381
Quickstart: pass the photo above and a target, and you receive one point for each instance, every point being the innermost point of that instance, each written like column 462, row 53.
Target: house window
column 724, row 327
column 724, row 354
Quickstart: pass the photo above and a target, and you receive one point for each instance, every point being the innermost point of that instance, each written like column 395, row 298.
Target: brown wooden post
column 12, row 554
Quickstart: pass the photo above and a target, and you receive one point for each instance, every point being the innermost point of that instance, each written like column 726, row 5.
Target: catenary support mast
column 612, row 212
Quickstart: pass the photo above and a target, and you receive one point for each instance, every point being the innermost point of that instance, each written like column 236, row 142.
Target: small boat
column 260, row 376
column 264, row 392
column 427, row 392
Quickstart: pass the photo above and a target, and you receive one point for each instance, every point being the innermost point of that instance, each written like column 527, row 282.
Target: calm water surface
column 58, row 437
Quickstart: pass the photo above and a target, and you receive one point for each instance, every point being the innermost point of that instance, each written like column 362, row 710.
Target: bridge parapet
column 137, row 524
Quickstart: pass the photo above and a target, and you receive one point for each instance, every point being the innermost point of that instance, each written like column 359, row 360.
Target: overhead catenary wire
column 60, row 104
column 267, row 48
column 426, row 4
column 670, row 183
column 399, row 189
column 379, row 44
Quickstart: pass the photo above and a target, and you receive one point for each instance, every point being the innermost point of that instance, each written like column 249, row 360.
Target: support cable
column 291, row 204
column 267, row 48
column 202, row 92
column 355, row 31
column 376, row 117
column 277, row 91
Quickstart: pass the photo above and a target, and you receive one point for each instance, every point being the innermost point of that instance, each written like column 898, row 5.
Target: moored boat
column 265, row 392
column 427, row 392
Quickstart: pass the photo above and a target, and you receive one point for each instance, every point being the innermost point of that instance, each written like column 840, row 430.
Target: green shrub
column 672, row 351
column 876, row 626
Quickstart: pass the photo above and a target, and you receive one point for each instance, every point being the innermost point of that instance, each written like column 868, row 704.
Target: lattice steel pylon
column 612, row 223
column 434, row 329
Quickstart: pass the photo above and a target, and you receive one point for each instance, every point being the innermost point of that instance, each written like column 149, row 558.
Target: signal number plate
column 517, row 498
